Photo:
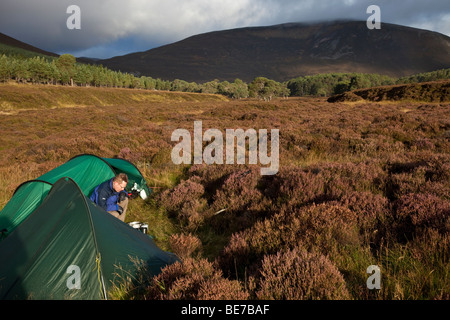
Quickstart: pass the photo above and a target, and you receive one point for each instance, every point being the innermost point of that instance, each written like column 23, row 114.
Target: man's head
column 120, row 181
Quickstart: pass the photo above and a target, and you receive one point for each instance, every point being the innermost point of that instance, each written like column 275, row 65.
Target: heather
column 360, row 183
column 300, row 275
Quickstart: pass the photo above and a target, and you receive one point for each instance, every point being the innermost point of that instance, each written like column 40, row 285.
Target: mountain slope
column 7, row 40
column 434, row 91
column 287, row 51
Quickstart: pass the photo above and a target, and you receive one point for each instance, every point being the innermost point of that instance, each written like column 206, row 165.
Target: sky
column 116, row 27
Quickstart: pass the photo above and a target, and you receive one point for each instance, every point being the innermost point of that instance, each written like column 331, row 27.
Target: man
column 111, row 196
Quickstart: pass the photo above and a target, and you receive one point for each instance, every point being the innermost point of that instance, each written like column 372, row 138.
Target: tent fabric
column 68, row 230
column 88, row 171
column 27, row 198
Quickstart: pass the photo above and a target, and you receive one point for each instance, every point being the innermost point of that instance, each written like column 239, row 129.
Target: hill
column 18, row 98
column 14, row 43
column 438, row 91
column 286, row 51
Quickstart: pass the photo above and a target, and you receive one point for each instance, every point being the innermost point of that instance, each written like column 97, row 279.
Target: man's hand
column 122, row 196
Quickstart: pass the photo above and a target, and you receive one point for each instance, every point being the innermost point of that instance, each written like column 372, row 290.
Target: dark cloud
column 113, row 27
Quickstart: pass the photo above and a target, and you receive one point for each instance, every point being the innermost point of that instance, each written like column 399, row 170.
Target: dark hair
column 121, row 177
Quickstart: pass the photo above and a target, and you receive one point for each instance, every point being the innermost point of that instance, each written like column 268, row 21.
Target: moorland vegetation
column 360, row 183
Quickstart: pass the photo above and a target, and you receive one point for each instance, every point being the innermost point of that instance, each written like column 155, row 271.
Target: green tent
column 66, row 247
column 88, row 171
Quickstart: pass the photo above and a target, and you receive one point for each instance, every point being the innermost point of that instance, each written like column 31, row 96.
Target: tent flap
column 36, row 257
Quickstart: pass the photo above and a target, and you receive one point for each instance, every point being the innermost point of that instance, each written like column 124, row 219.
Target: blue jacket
column 105, row 196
